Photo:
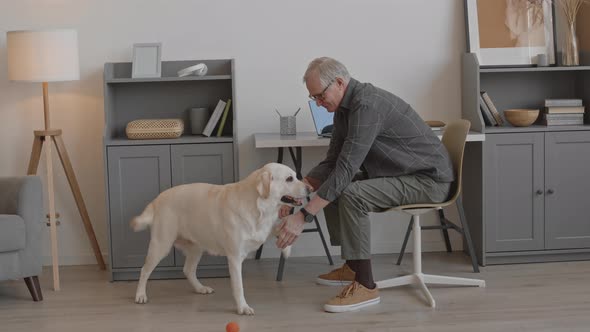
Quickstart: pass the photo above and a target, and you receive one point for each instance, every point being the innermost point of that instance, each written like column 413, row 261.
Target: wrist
column 308, row 217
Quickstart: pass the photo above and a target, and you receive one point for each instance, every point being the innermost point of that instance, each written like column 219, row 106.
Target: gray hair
column 328, row 69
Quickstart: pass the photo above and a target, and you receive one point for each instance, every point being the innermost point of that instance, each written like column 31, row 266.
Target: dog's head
column 280, row 182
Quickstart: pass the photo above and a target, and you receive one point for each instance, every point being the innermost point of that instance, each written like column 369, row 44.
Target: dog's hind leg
column 235, row 272
column 193, row 254
column 158, row 249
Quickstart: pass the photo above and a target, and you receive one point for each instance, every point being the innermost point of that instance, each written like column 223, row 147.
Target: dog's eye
column 290, row 179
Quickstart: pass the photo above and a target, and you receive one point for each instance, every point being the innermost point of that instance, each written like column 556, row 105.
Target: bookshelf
column 525, row 187
column 136, row 171
column 519, row 87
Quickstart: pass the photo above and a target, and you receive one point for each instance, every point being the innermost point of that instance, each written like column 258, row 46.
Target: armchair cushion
column 12, row 232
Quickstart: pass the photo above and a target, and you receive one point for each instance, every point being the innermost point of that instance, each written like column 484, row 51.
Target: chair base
column 422, row 279
column 419, row 278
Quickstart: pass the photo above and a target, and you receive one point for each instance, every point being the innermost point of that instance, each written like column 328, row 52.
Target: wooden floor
column 527, row 297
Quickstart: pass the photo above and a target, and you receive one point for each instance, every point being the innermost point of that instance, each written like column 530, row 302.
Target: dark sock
column 352, row 264
column 364, row 272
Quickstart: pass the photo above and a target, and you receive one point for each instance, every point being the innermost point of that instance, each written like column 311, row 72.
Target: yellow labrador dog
column 229, row 220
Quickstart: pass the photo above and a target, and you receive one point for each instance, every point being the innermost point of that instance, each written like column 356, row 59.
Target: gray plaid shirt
column 378, row 131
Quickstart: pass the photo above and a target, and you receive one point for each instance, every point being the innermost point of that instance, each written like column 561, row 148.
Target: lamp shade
column 43, row 55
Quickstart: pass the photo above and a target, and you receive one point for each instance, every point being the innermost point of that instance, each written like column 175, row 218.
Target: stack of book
column 491, row 116
column 561, row 112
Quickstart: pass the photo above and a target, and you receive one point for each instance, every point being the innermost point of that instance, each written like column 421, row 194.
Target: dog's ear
column 263, row 186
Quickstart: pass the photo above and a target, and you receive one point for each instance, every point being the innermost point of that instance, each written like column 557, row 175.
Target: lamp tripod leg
column 38, row 142
column 52, row 225
column 69, row 170
column 35, row 155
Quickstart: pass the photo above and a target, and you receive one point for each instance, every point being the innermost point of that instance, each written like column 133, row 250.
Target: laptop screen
column 322, row 119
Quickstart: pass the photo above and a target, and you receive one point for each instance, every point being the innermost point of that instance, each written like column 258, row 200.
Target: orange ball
column 232, row 327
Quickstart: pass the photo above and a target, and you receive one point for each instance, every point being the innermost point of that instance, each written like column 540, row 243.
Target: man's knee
column 351, row 199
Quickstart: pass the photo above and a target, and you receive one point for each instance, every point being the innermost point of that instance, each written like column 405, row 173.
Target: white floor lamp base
column 422, row 279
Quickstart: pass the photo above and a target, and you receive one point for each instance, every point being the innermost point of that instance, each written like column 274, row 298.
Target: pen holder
column 288, row 125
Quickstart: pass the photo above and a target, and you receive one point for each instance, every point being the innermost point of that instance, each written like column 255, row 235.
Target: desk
column 310, row 139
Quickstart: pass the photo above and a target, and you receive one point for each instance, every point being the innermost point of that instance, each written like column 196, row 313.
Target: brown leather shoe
column 353, row 297
column 341, row 276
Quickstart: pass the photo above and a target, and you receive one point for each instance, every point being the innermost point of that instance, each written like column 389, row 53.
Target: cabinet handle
column 550, row 191
column 539, row 192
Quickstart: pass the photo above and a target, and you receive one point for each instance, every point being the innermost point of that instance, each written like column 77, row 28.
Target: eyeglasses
column 320, row 96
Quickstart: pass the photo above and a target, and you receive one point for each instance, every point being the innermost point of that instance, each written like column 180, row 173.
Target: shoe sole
column 351, row 307
column 327, row 282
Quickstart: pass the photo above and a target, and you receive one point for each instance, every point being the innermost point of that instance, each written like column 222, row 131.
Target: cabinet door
column 202, row 163
column 513, row 206
column 206, row 163
column 137, row 174
column 567, row 221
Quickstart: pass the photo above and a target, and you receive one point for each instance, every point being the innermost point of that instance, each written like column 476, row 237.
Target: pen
column 276, row 110
column 299, row 109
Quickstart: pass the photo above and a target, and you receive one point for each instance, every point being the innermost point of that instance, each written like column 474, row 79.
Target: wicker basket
column 154, row 128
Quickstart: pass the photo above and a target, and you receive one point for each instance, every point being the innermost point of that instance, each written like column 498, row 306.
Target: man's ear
column 263, row 186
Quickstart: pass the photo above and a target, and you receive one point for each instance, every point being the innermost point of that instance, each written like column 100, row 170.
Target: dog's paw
column 245, row 310
column 204, row 290
column 141, row 298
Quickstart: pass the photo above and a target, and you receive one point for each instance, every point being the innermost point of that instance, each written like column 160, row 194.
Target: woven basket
column 154, row 128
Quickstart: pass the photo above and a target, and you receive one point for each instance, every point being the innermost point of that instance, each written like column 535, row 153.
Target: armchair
column 21, row 213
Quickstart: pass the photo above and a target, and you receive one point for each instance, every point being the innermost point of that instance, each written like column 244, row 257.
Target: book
column 564, row 109
column 562, row 102
column 214, row 118
column 223, row 118
column 564, row 116
column 562, row 119
column 485, row 111
column 562, row 122
column 492, row 108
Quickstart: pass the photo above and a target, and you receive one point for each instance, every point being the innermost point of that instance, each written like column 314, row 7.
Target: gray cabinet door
column 567, row 186
column 514, row 188
column 137, row 174
column 205, row 163
column 202, row 163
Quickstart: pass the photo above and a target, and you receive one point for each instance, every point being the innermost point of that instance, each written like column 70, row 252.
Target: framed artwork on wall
column 147, row 60
column 510, row 32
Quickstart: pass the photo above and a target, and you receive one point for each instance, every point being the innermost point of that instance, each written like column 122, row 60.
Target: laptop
column 322, row 119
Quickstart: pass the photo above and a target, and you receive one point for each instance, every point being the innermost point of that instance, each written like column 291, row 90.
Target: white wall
column 410, row 47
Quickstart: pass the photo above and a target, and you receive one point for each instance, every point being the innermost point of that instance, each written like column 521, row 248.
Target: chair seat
column 422, row 206
column 12, row 232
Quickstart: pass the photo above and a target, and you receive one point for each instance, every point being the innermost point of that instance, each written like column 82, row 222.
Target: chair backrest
column 453, row 139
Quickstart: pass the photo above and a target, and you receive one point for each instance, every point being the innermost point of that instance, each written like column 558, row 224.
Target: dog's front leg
column 235, row 273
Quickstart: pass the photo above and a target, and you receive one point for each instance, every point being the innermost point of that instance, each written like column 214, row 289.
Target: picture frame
column 511, row 32
column 147, row 60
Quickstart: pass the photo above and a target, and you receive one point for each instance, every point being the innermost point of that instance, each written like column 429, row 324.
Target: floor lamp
column 50, row 56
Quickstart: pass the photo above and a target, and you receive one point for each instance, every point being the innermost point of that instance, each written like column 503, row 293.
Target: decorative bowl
column 521, row 117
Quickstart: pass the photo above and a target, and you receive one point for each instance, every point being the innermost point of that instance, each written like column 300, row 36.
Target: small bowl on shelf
column 521, row 117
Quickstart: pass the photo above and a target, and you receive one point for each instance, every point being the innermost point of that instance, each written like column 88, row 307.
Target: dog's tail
column 144, row 220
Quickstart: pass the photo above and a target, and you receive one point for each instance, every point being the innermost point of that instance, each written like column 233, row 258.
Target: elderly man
column 381, row 155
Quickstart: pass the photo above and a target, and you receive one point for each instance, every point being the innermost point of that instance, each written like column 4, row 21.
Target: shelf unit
column 136, row 171
column 525, row 188
column 519, row 87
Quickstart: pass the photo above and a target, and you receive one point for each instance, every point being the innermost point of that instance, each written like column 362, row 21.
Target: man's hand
column 311, row 183
column 290, row 229
column 284, row 211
